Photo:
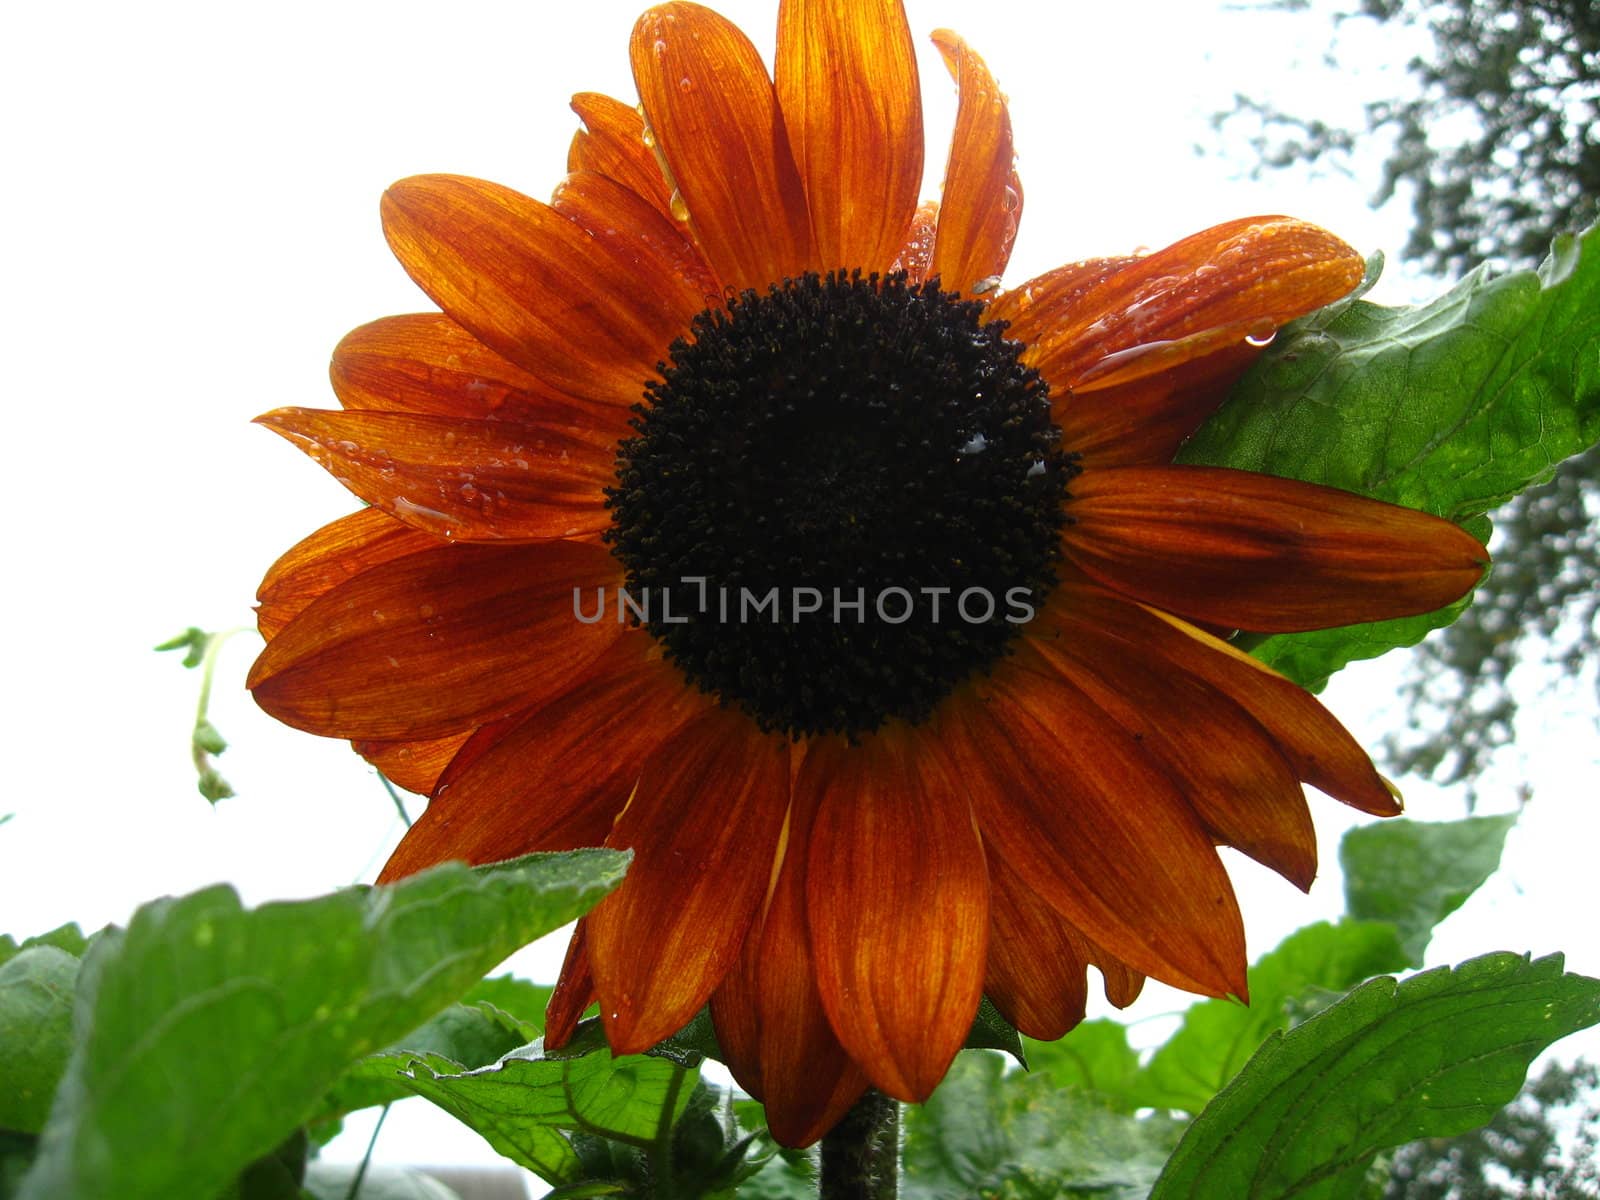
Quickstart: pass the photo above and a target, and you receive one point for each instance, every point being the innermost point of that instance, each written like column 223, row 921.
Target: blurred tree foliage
column 1497, row 144
column 1519, row 1154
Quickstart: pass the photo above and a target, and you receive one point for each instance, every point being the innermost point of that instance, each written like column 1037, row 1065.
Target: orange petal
column 847, row 86
column 557, row 777
column 1122, row 983
column 1037, row 973
column 1249, row 551
column 574, row 991
column 426, row 363
column 1145, row 421
column 982, row 199
column 462, row 480
column 808, row 1081
column 916, row 255
column 1319, row 749
column 612, row 143
column 1256, row 273
column 437, row 642
column 613, row 213
column 533, row 286
column 334, row 554
column 1051, row 777
column 897, row 897
column 1225, row 764
column 735, row 1013
column 715, row 118
column 415, row 766
column 704, row 825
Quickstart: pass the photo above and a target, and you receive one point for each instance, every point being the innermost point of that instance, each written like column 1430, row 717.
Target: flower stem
column 861, row 1154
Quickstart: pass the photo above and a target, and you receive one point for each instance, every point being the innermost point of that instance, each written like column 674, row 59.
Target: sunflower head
column 905, row 684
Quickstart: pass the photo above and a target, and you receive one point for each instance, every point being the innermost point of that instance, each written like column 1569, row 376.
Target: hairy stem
column 861, row 1154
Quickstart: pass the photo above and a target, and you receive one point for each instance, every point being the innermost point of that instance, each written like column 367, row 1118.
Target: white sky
column 190, row 224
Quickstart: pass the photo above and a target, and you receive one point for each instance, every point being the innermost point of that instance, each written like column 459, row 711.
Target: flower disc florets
column 844, row 499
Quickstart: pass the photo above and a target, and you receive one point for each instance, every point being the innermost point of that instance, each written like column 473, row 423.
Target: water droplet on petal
column 680, row 210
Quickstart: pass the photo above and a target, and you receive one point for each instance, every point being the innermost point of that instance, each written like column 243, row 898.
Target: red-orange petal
column 461, row 480
column 1038, row 966
column 612, row 143
column 715, row 118
column 846, row 79
column 1250, row 551
column 1051, row 778
column 703, row 825
column 538, row 289
column 426, row 363
column 574, row 991
column 334, row 554
column 1225, row 764
column 897, row 897
column 982, row 200
column 555, row 778
column 808, row 1080
column 437, row 642
column 612, row 212
column 1255, row 273
column 413, row 765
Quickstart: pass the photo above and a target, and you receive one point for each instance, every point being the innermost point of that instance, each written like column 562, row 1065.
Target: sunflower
column 664, row 505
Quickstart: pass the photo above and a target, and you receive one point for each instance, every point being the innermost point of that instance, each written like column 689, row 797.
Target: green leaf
column 1414, row 874
column 521, row 1001
column 521, row 1103
column 63, row 937
column 16, row 1156
column 1430, row 1057
column 1451, row 407
column 1305, row 972
column 991, row 1031
column 36, row 990
column 207, row 1031
column 1011, row 1136
column 1096, row 1058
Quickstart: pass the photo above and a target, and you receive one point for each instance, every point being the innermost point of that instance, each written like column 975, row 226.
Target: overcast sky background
column 191, row 224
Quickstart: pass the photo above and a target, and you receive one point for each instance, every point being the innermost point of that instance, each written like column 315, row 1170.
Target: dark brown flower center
column 843, row 500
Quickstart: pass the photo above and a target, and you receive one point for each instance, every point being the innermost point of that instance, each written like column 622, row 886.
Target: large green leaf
column 1451, row 407
column 1012, row 1136
column 1414, row 874
column 207, row 1031
column 1392, row 1062
column 1307, row 970
column 36, row 989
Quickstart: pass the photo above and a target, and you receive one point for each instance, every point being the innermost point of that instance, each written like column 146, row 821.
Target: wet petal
column 1089, row 821
column 334, row 554
column 916, row 255
column 426, row 363
column 1256, row 273
column 462, row 480
column 437, row 642
column 897, row 898
column 1249, row 551
column 556, row 778
column 847, row 86
column 611, row 142
column 1225, row 764
column 415, row 766
column 703, row 825
column 982, row 198
column 613, row 213
column 716, row 122
column 578, row 313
